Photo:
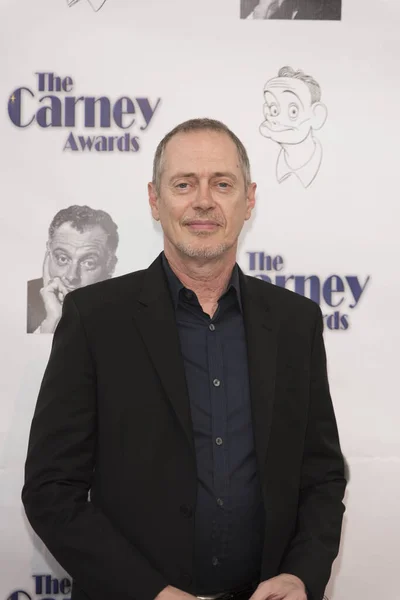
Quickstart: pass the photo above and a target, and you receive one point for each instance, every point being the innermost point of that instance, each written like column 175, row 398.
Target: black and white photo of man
column 80, row 250
column 323, row 10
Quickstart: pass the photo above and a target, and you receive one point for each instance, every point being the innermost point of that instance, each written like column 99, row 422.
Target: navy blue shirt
column 229, row 514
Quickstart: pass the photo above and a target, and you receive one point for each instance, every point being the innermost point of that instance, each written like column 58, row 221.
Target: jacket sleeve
column 58, row 475
column 315, row 544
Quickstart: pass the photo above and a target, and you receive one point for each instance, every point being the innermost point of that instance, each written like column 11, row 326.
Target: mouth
column 198, row 225
column 276, row 128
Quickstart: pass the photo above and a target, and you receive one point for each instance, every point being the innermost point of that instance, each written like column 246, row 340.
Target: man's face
column 288, row 110
column 78, row 258
column 202, row 203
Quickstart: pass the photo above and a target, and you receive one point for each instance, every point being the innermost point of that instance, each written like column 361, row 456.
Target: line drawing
column 293, row 111
column 95, row 4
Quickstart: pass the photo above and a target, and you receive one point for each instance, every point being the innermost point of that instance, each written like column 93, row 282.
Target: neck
column 207, row 278
column 298, row 155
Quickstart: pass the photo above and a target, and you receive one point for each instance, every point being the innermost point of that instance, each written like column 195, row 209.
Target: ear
column 250, row 200
column 111, row 264
column 153, row 201
column 320, row 114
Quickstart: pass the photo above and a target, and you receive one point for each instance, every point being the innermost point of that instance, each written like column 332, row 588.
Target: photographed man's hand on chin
column 264, row 9
column 53, row 293
column 282, row 587
column 173, row 593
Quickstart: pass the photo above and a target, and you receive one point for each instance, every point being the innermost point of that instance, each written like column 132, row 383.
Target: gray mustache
column 202, row 217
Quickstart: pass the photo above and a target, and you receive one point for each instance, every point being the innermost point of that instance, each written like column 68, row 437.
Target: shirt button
column 216, row 382
column 220, row 502
column 211, row 327
column 215, row 561
column 186, row 510
column 219, row 441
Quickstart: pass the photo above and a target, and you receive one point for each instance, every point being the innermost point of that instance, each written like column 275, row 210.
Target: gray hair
column 199, row 125
column 313, row 86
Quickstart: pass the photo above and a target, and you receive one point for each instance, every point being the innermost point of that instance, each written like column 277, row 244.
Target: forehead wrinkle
column 275, row 83
column 189, row 150
column 286, row 85
column 69, row 246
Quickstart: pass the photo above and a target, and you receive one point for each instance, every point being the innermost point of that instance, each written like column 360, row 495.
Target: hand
column 281, row 587
column 173, row 593
column 53, row 293
column 264, row 9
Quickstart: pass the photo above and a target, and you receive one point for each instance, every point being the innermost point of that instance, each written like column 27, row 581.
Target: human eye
column 182, row 185
column 61, row 259
column 293, row 111
column 223, row 185
column 90, row 263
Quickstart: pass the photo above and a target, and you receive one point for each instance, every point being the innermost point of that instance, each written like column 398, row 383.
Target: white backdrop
column 202, row 60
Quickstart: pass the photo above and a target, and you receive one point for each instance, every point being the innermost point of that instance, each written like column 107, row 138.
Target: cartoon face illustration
column 293, row 111
column 95, row 4
column 289, row 110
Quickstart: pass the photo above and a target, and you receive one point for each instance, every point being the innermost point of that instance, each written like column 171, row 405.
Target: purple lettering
column 15, row 107
column 332, row 285
column 122, row 108
column 90, row 111
column 50, row 116
column 146, row 110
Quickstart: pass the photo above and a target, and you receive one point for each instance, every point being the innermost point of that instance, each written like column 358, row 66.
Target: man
column 293, row 111
column 192, row 403
column 80, row 250
column 327, row 10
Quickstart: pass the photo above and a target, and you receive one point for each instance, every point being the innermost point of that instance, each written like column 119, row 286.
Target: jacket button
column 186, row 578
column 186, row 510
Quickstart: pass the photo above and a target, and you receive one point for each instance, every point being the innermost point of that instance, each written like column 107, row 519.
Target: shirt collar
column 307, row 173
column 175, row 285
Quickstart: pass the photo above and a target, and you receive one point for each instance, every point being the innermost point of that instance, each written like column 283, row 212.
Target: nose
column 204, row 198
column 73, row 275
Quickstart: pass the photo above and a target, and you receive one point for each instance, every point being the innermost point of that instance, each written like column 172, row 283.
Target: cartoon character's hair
column 310, row 82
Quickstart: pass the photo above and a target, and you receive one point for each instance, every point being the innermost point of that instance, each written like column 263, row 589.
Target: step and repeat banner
column 312, row 87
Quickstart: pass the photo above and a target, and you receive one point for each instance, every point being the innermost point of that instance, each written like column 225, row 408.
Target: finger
column 262, row 592
column 269, row 591
column 61, row 290
column 56, row 287
column 46, row 270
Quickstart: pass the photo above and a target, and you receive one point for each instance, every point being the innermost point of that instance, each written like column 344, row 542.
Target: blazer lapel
column 261, row 332
column 155, row 319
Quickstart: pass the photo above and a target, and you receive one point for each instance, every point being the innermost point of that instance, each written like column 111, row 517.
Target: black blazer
column 327, row 10
column 112, row 422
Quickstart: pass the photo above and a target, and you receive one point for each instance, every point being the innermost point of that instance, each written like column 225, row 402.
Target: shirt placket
column 219, row 435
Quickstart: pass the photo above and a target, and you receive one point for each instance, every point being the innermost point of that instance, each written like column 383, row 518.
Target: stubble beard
column 205, row 252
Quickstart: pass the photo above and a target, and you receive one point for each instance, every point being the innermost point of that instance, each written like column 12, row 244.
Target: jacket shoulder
column 108, row 292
